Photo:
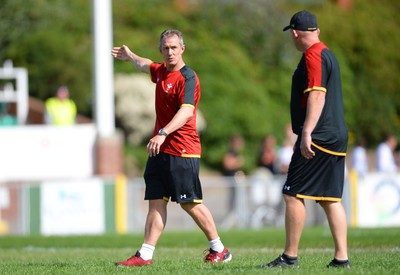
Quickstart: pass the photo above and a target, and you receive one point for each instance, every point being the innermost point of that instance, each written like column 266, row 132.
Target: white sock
column 146, row 251
column 216, row 245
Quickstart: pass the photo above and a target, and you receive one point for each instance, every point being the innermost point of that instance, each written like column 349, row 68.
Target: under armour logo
column 286, row 187
column 183, row 196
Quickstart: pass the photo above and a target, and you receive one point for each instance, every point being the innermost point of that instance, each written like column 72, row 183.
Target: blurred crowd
column 275, row 157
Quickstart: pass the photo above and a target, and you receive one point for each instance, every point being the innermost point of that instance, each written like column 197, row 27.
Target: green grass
column 372, row 251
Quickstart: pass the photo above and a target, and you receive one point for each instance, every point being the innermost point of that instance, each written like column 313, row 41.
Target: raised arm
column 125, row 54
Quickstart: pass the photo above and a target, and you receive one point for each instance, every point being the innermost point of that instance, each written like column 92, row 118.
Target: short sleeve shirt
column 318, row 69
column 175, row 89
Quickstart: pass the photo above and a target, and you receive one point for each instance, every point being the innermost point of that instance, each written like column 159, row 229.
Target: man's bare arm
column 123, row 53
column 315, row 104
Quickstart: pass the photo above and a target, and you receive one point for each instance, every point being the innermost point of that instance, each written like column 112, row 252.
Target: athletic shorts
column 171, row 177
column 320, row 178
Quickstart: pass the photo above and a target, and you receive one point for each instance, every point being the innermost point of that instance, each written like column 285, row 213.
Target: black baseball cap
column 302, row 21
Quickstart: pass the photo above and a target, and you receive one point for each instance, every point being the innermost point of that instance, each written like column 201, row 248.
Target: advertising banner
column 38, row 152
column 378, row 200
column 72, row 207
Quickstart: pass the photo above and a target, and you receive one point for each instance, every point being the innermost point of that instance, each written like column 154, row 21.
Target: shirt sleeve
column 315, row 71
column 153, row 71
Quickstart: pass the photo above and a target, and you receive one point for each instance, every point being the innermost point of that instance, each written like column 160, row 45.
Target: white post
column 103, row 68
column 22, row 94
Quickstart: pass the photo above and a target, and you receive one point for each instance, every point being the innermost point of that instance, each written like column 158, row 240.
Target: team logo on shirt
column 169, row 87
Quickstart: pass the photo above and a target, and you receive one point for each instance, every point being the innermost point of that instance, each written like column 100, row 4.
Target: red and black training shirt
column 175, row 89
column 318, row 69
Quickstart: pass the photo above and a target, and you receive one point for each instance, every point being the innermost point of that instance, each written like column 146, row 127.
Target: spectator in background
column 359, row 160
column 60, row 110
column 286, row 151
column 385, row 161
column 232, row 165
column 267, row 156
column 284, row 156
column 233, row 161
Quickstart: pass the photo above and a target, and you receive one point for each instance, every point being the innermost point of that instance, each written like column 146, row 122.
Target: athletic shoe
column 135, row 260
column 280, row 262
column 215, row 257
column 340, row 264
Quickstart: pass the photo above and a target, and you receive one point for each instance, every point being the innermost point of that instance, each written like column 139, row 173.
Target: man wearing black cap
column 316, row 170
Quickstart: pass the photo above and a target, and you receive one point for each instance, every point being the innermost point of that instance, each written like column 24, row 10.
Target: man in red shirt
column 172, row 170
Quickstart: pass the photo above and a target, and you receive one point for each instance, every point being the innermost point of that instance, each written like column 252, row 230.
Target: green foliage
column 238, row 49
column 371, row 251
column 53, row 40
column 368, row 43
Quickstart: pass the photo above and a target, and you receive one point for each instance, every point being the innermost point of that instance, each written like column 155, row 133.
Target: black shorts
column 320, row 178
column 171, row 177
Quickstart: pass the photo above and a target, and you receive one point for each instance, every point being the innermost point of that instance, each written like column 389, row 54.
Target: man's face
column 62, row 93
column 172, row 51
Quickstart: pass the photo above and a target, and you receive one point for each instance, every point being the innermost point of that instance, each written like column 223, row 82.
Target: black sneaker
column 340, row 264
column 280, row 262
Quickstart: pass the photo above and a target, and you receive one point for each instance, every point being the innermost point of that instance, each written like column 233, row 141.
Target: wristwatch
column 162, row 132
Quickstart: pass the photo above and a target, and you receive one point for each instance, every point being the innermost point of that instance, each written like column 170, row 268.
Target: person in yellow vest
column 60, row 110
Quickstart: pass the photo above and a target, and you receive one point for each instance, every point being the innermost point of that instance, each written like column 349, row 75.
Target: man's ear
column 295, row 34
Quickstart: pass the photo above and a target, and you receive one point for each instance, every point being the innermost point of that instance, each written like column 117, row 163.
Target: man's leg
column 155, row 222
column 295, row 216
column 203, row 218
column 338, row 224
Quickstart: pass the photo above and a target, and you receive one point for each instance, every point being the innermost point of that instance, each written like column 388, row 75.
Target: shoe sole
column 228, row 259
column 339, row 266
column 128, row 266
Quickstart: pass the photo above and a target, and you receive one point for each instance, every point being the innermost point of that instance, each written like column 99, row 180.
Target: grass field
column 372, row 251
